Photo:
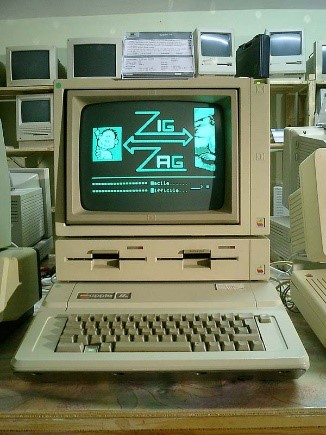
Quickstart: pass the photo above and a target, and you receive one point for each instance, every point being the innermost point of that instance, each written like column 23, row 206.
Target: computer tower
column 252, row 58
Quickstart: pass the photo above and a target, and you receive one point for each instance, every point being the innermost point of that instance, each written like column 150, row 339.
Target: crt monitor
column 316, row 64
column 94, row 57
column 287, row 53
column 215, row 52
column 299, row 143
column 34, row 117
column 5, row 222
column 31, row 65
column 155, row 158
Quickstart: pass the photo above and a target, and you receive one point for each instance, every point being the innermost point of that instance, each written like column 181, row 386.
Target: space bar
column 147, row 346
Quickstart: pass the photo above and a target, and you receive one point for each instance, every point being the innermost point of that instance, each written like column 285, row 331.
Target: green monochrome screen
column 152, row 156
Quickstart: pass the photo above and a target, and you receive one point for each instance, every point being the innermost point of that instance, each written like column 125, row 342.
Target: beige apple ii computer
column 162, row 217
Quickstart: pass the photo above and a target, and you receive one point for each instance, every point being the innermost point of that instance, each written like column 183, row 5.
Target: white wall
column 246, row 24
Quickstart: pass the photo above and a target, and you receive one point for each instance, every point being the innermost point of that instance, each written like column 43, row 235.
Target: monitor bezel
column 253, row 112
column 53, row 66
column 72, row 42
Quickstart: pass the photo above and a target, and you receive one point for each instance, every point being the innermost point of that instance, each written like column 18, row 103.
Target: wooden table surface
column 166, row 406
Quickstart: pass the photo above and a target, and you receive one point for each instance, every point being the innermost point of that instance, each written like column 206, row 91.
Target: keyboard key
column 69, row 347
column 148, row 346
column 264, row 318
column 208, row 338
column 256, row 345
column 91, row 348
column 227, row 346
column 106, row 347
column 242, row 345
column 213, row 347
column 199, row 347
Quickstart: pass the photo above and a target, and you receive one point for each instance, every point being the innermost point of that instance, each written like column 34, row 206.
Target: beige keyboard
column 162, row 333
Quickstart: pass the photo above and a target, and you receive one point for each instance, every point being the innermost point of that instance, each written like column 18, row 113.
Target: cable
column 283, row 284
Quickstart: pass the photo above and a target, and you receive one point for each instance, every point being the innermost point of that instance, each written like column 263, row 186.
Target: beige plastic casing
column 243, row 222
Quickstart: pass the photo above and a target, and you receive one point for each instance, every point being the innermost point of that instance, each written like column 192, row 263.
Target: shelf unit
column 7, row 92
column 292, row 103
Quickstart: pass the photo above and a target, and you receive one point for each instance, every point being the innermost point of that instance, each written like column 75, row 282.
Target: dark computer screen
column 35, row 111
column 216, row 44
column 286, row 43
column 95, row 60
column 30, row 64
column 152, row 156
column 323, row 57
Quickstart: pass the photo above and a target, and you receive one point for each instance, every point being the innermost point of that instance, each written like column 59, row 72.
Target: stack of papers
column 158, row 55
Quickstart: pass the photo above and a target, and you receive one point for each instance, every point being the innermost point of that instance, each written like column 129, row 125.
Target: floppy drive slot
column 200, row 258
column 109, row 259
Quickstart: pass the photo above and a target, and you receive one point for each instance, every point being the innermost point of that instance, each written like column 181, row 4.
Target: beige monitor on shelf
column 215, row 51
column 316, row 64
column 34, row 119
column 32, row 65
column 94, row 57
column 287, row 54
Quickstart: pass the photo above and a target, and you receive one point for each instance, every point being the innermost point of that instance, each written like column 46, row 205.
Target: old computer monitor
column 287, row 53
column 310, row 202
column 299, row 143
column 31, row 65
column 34, row 117
column 215, row 52
column 316, row 64
column 142, row 164
column 94, row 57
